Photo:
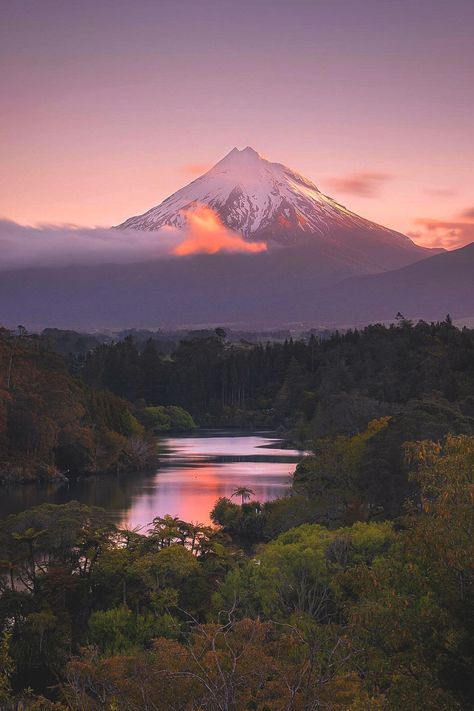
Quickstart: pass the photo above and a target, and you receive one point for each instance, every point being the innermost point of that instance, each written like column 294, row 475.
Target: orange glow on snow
column 206, row 234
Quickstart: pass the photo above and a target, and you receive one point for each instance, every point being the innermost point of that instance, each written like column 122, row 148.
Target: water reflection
column 194, row 472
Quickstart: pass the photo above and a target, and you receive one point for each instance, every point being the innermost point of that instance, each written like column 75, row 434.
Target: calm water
column 193, row 473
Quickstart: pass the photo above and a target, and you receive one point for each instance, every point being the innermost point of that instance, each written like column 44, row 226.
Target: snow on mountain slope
column 266, row 201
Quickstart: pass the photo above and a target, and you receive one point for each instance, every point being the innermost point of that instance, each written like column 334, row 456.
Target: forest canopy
column 52, row 424
column 354, row 591
column 365, row 616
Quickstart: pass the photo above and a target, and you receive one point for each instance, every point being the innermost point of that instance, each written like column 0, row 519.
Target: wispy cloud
column 57, row 245
column 449, row 234
column 62, row 245
column 442, row 233
column 441, row 192
column 364, row 183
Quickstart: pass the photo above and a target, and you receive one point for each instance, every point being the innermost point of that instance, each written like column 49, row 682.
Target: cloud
column 468, row 214
column 63, row 245
column 364, row 183
column 206, row 234
column 443, row 233
column 195, row 168
column 441, row 192
column 58, row 245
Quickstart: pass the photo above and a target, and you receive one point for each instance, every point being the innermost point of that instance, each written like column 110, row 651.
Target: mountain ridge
column 269, row 202
column 422, row 290
column 332, row 268
column 293, row 285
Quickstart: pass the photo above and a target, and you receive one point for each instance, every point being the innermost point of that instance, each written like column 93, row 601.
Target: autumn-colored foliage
column 353, row 593
column 52, row 425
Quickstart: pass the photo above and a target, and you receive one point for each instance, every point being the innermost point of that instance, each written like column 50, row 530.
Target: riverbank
column 194, row 470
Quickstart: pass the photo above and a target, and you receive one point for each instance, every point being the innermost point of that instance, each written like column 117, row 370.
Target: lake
column 194, row 471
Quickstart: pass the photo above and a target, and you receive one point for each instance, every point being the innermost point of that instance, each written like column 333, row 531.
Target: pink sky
column 110, row 106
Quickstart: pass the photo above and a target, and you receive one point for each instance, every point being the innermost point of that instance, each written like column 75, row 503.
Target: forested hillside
column 52, row 425
column 354, row 591
column 416, row 381
column 359, row 372
column 366, row 617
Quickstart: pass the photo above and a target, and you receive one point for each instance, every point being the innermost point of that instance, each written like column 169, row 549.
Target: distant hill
column 265, row 289
column 428, row 289
column 311, row 285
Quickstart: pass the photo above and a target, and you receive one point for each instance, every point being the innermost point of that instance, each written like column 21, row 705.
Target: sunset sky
column 108, row 106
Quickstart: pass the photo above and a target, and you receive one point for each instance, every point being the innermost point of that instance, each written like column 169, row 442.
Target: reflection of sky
column 226, row 446
column 190, row 487
column 193, row 473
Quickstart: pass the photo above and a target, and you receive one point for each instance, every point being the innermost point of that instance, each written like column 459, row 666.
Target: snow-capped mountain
column 269, row 202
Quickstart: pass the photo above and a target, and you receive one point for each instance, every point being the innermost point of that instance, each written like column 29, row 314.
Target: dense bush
column 52, row 424
column 167, row 418
column 318, row 387
column 365, row 617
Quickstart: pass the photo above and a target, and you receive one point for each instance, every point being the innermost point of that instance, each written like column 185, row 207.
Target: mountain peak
column 248, row 150
column 264, row 201
column 237, row 156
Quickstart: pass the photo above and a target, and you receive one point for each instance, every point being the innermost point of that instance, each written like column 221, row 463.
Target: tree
column 334, row 475
column 297, row 572
column 6, row 668
column 228, row 665
column 244, row 493
column 413, row 610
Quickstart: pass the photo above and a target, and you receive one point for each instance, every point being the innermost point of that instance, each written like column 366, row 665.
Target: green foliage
column 167, row 418
column 318, row 387
column 73, row 578
column 118, row 630
column 288, row 512
column 341, row 608
column 297, row 572
column 368, row 616
column 172, row 564
column 334, row 473
column 416, row 381
column 6, row 667
column 245, row 521
column 385, row 472
column 413, row 613
column 51, row 424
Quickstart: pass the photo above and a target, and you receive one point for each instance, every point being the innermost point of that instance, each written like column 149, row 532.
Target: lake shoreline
column 193, row 471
